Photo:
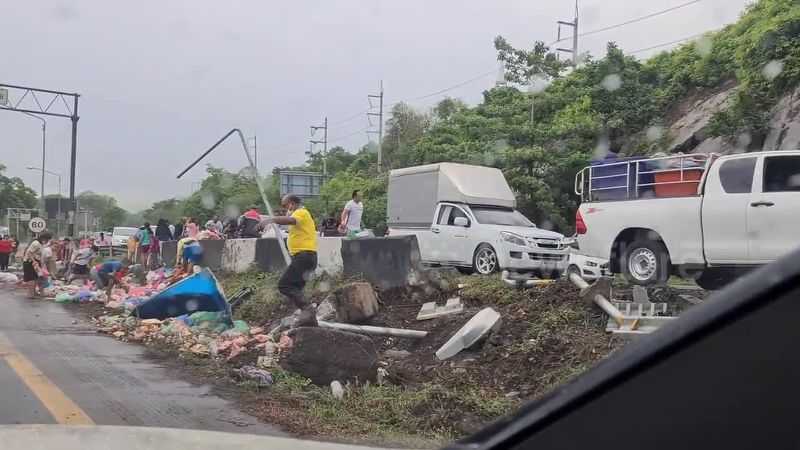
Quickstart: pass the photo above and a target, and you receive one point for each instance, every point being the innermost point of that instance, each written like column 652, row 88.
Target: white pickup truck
column 706, row 217
column 465, row 216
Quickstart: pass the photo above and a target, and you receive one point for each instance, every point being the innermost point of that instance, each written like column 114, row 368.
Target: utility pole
column 574, row 25
column 324, row 143
column 380, row 123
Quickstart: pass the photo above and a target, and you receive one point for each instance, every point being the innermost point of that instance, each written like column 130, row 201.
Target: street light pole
column 55, row 174
column 44, row 151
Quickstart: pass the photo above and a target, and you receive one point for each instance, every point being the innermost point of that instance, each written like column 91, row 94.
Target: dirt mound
column 547, row 334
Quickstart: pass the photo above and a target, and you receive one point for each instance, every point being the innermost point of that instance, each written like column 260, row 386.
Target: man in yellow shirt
column 302, row 245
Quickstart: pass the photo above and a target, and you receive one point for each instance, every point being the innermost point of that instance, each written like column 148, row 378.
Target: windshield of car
column 125, row 231
column 500, row 216
column 650, row 145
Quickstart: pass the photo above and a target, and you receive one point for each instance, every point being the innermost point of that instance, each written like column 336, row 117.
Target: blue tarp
column 198, row 292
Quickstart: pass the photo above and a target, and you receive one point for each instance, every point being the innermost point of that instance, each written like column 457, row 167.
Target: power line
column 339, row 138
column 688, row 38
column 628, row 22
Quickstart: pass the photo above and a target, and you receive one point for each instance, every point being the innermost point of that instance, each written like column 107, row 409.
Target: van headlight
column 513, row 238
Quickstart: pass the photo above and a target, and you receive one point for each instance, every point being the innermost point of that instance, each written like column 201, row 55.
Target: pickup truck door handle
column 435, row 229
column 761, row 203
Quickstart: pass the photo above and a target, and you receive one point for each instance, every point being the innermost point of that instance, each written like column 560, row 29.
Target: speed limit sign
column 37, row 225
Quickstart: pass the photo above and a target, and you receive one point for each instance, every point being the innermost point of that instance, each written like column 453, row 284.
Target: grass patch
column 488, row 290
column 264, row 302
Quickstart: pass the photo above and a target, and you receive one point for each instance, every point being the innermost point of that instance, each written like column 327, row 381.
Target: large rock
column 693, row 115
column 784, row 128
column 325, row 355
column 355, row 302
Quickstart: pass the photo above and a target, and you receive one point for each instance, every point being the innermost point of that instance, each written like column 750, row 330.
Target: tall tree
column 404, row 129
column 524, row 65
column 14, row 193
column 104, row 207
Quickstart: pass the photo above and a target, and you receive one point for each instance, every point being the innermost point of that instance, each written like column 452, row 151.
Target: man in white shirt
column 351, row 216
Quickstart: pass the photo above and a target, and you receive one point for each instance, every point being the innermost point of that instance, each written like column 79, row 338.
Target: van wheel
column 646, row 262
column 485, row 260
column 573, row 269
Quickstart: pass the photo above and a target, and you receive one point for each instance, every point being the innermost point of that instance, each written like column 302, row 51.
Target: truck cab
column 464, row 216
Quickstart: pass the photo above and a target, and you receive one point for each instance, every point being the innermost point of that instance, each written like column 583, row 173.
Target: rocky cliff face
column 688, row 124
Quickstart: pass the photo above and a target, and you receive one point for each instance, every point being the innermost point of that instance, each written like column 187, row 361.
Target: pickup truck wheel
column 646, row 262
column 485, row 260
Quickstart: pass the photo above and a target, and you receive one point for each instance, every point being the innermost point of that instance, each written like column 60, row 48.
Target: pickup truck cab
column 706, row 217
column 464, row 216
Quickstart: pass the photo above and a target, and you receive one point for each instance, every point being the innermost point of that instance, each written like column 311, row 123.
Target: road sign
column 37, row 225
column 3, row 96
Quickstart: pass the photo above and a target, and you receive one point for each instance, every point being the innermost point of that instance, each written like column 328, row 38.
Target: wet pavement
column 54, row 368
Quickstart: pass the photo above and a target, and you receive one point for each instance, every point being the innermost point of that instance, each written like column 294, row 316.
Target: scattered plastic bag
column 260, row 376
column 65, row 297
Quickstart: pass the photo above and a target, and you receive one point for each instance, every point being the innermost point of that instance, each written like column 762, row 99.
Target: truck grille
column 546, row 256
column 552, row 244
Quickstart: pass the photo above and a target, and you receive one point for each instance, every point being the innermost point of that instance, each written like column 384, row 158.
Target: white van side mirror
column 461, row 222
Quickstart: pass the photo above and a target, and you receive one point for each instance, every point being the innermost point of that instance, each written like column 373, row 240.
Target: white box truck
column 464, row 216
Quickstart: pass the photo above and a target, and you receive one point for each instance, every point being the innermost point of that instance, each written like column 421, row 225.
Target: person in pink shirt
column 191, row 229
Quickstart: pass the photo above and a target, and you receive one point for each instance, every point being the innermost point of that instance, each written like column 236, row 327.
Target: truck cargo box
column 415, row 191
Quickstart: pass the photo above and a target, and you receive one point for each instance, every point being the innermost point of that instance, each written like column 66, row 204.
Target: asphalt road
column 55, row 371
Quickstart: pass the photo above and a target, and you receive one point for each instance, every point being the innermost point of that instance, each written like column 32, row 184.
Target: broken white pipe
column 599, row 300
column 381, row 331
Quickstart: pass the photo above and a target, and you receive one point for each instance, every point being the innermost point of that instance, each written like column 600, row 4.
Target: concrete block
column 238, row 255
column 269, row 257
column 329, row 255
column 431, row 311
column 476, row 328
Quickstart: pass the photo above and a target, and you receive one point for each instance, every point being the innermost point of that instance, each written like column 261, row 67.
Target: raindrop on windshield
column 602, row 147
column 546, row 225
column 208, row 200
column 772, row 69
column 611, row 82
column 703, row 46
column 537, row 84
column 743, row 141
column 192, row 305
column 324, row 286
column 226, row 181
column 232, row 210
column 654, row 133
column 793, row 181
column 489, row 159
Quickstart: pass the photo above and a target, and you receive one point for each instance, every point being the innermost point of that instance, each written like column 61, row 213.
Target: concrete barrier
column 212, row 253
column 169, row 251
column 269, row 257
column 329, row 255
column 386, row 262
column 238, row 255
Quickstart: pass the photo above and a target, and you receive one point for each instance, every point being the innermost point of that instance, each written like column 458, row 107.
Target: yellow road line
column 61, row 407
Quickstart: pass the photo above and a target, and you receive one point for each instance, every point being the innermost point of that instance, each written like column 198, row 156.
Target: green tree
column 404, row 129
column 104, row 207
column 523, row 65
column 170, row 209
column 14, row 193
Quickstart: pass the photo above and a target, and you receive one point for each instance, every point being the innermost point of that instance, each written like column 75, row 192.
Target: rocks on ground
column 324, row 355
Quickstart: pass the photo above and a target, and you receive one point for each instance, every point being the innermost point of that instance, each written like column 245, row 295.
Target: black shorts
column 28, row 272
column 78, row 269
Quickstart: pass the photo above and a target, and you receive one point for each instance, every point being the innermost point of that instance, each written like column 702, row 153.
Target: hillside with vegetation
column 717, row 93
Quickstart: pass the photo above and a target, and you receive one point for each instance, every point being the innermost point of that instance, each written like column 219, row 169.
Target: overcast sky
column 160, row 81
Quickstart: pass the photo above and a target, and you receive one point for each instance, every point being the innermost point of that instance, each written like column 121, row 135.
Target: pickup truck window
column 736, row 175
column 456, row 212
column 444, row 214
column 501, row 216
column 781, row 173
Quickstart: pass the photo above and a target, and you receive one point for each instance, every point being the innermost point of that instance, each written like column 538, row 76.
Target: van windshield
column 125, row 231
column 501, row 216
